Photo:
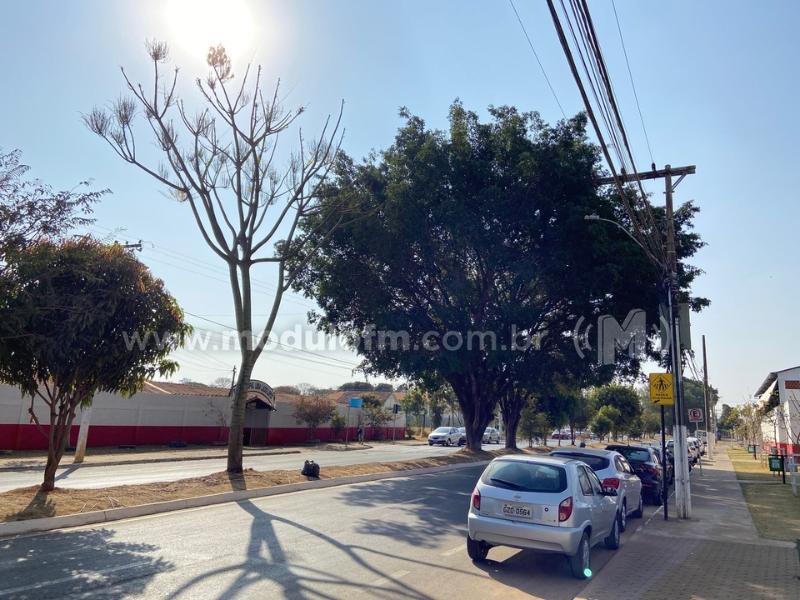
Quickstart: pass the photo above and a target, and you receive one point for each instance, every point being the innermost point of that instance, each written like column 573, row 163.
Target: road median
column 27, row 510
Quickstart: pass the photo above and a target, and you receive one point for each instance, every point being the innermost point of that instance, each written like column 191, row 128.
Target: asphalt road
column 77, row 476
column 396, row 538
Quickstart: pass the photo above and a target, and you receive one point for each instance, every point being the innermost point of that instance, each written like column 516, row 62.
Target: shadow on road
column 76, row 563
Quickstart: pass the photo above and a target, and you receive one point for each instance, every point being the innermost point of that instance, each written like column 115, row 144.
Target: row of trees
column 314, row 411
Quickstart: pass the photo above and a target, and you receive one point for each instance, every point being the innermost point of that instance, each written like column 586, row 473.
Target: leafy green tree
column 413, row 403
column 32, row 211
column 314, row 411
column 622, row 398
column 604, row 421
column 338, row 423
column 384, row 387
column 729, row 419
column 82, row 317
column 357, row 386
column 531, row 423
column 463, row 244
column 651, row 423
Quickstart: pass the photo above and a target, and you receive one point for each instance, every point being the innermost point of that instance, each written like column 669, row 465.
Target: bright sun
column 198, row 24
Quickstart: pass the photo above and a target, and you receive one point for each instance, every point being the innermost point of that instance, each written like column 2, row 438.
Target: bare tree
column 247, row 208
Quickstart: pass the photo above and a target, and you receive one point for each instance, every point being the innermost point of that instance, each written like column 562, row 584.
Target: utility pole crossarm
column 653, row 174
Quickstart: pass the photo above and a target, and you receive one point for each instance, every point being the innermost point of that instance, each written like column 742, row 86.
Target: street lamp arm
column 596, row 217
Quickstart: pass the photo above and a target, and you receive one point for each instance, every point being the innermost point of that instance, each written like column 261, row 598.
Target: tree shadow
column 80, row 563
column 267, row 559
column 40, row 506
column 67, row 472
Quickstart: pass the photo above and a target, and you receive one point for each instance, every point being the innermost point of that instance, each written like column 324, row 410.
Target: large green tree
column 624, row 400
column 82, row 317
column 472, row 250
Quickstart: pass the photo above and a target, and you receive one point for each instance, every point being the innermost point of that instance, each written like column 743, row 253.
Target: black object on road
column 310, row 469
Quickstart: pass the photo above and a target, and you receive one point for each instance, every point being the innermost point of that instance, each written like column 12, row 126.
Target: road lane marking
column 456, row 550
column 390, row 578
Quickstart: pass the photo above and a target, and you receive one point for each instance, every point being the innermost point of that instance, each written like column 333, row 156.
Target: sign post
column 661, row 394
column 354, row 402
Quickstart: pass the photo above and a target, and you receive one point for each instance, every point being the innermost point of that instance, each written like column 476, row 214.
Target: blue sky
column 716, row 80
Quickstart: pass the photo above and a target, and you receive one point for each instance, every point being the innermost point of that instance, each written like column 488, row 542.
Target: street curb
column 118, row 463
column 13, row 528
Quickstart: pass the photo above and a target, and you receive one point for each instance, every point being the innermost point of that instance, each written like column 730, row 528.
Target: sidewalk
column 717, row 554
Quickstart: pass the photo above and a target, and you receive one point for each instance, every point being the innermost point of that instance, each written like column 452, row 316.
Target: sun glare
column 198, row 24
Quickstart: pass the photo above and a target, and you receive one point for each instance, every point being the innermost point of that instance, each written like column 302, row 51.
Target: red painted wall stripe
column 28, row 437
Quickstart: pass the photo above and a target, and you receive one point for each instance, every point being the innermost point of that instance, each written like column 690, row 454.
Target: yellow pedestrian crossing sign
column 661, row 389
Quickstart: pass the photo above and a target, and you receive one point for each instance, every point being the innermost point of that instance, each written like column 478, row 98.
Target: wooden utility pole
column 707, row 399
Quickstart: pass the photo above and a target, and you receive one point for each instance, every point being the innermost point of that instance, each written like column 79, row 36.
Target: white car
column 615, row 472
column 446, row 436
column 491, row 436
column 545, row 503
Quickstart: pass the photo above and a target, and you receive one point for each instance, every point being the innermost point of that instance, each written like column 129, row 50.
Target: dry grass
column 31, row 503
column 775, row 511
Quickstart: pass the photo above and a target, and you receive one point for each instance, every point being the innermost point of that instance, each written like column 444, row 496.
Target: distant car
column 668, row 464
column 646, row 464
column 689, row 453
column 491, row 436
column 446, row 436
column 615, row 472
column 545, row 503
column 462, row 433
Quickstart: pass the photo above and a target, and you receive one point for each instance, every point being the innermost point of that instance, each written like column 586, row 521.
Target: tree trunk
column 511, row 424
column 236, row 432
column 60, row 425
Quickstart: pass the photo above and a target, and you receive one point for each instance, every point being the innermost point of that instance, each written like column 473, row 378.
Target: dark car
column 669, row 465
column 647, row 466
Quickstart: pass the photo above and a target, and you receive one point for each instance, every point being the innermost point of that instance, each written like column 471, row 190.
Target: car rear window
column 598, row 463
column 636, row 454
column 525, row 476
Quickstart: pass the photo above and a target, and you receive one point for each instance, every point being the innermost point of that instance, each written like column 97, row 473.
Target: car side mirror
column 609, row 491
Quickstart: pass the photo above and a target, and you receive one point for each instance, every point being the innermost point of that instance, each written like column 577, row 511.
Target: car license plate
column 517, row 511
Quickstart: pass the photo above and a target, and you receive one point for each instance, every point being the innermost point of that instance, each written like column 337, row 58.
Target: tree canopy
column 473, row 252
column 82, row 317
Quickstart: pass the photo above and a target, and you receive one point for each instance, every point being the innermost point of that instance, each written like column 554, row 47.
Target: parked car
column 647, row 466
column 491, row 436
column 446, row 436
column 546, row 503
column 462, row 433
column 697, row 445
column 615, row 472
column 689, row 452
column 668, row 465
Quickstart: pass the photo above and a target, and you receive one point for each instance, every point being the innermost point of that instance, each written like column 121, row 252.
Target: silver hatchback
column 544, row 503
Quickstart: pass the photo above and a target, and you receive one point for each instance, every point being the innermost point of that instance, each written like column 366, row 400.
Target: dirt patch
column 31, row 503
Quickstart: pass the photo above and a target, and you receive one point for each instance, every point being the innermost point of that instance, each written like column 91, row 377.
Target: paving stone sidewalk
column 715, row 555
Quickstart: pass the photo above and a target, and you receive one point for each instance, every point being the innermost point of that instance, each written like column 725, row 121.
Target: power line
column 633, row 85
column 348, row 364
column 536, row 56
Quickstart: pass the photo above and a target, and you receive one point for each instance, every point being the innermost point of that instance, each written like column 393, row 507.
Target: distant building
column 191, row 413
column 779, row 402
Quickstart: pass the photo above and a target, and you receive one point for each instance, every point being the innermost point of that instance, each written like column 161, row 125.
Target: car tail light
column 476, row 499
column 611, row 482
column 565, row 509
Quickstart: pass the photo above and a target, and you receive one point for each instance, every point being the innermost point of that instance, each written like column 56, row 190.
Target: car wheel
column 637, row 514
column 476, row 550
column 430, row 443
column 612, row 541
column 623, row 516
column 447, row 442
column 580, row 562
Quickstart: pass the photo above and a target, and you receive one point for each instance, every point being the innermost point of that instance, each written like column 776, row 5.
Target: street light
column 681, row 455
